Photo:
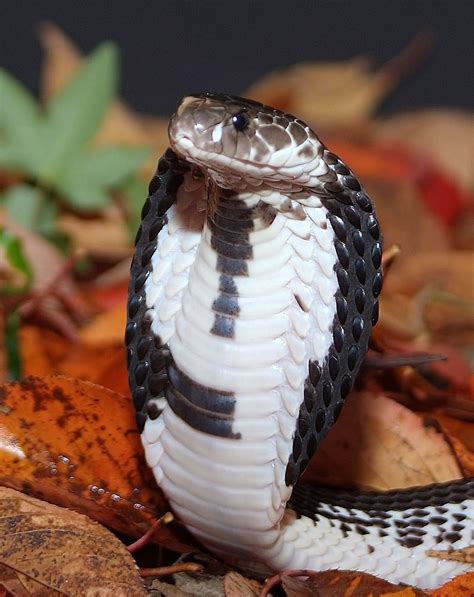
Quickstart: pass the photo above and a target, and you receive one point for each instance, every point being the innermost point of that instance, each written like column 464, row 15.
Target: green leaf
column 19, row 113
column 31, row 208
column 86, row 196
column 74, row 116
column 107, row 167
column 16, row 259
column 16, row 158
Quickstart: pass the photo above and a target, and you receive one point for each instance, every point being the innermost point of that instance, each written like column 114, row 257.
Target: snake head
column 237, row 140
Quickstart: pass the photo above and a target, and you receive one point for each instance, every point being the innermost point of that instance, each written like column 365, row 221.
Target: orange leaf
column 53, row 551
column 75, row 444
column 462, row 586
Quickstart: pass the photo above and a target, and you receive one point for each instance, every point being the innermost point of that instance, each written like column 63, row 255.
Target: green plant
column 50, row 147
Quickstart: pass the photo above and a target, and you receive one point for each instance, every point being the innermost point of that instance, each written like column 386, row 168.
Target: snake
column 254, row 287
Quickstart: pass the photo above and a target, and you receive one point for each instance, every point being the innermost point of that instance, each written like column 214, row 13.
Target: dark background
column 172, row 47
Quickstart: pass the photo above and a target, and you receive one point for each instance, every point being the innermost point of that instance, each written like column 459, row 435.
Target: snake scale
column 254, row 289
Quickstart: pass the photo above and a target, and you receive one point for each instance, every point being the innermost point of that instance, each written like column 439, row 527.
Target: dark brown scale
column 333, row 366
column 352, row 183
column 343, row 281
column 341, row 309
column 140, row 372
column 375, row 313
column 353, row 217
column 342, row 254
column 153, row 411
column 153, row 187
column 358, row 242
column 377, row 284
column 134, row 304
column 338, row 337
column 143, row 346
column 346, row 386
column 148, row 254
column 339, row 227
column 359, row 296
column 320, row 420
column 357, row 327
column 327, row 393
column 146, row 208
column 341, row 168
column 361, row 271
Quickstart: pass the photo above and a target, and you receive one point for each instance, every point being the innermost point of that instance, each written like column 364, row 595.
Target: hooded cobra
column 254, row 289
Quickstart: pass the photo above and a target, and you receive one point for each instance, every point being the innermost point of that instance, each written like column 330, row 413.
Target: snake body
column 254, row 290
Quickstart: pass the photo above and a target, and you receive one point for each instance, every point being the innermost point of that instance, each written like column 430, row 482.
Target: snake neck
column 238, row 365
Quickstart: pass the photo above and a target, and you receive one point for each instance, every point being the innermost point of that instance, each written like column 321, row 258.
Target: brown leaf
column 336, row 583
column 104, row 237
column 444, row 136
column 379, row 444
column 337, row 93
column 435, row 291
column 105, row 329
column 460, row 436
column 462, row 586
column 53, row 551
column 75, row 444
column 236, row 585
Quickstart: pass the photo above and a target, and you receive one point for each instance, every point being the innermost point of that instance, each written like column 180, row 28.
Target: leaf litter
column 67, row 434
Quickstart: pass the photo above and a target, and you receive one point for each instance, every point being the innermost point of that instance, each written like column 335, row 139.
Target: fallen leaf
column 340, row 583
column 460, row 436
column 104, row 237
column 236, row 585
column 445, row 136
column 53, row 551
column 338, row 93
column 106, row 328
column 379, row 444
column 462, row 586
column 167, row 590
column 75, row 444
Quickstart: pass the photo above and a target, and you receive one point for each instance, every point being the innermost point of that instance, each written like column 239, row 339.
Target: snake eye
column 240, row 121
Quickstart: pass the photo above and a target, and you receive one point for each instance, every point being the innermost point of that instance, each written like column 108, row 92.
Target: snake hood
column 240, row 143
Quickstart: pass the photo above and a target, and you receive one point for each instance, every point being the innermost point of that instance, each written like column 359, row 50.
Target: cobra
column 254, row 288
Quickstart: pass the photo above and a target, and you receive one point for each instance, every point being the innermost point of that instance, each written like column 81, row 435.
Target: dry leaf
column 75, row 444
column 462, row 586
column 379, row 444
column 444, row 136
column 52, row 551
column 340, row 583
column 236, row 585
column 338, row 94
column 105, row 329
column 103, row 363
column 104, row 237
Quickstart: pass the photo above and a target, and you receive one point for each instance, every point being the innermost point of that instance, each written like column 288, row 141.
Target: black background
column 170, row 48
